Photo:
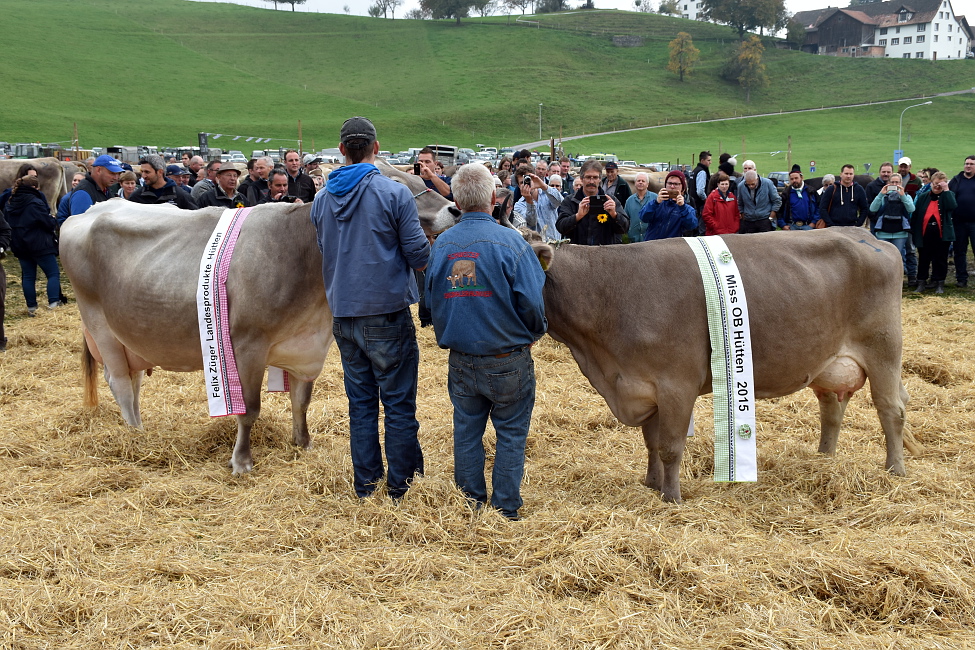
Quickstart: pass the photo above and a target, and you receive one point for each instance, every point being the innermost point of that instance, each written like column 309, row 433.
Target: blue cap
column 108, row 163
column 176, row 170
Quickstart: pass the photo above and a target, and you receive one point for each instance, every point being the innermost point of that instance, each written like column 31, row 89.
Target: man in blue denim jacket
column 370, row 237
column 484, row 287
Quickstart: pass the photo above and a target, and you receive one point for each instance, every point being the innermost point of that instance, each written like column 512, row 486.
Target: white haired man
column 484, row 289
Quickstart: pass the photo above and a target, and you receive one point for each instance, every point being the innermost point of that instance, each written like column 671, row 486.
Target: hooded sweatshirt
column 370, row 237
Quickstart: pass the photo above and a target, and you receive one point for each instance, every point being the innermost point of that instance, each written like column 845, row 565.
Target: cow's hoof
column 241, row 466
column 897, row 469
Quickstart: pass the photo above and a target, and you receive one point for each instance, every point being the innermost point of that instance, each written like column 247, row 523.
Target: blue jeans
column 908, row 254
column 964, row 233
column 28, row 270
column 504, row 389
column 380, row 361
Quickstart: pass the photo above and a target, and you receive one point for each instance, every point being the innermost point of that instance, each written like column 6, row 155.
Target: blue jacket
column 633, row 208
column 484, row 288
column 667, row 219
column 370, row 237
column 799, row 205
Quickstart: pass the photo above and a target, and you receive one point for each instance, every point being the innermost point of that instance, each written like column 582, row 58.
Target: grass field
column 135, row 73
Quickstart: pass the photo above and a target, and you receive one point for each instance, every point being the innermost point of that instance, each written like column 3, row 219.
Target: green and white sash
column 731, row 361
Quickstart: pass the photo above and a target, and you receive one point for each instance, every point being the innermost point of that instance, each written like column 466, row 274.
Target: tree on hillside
column 642, row 5
column 795, row 34
column 417, row 13
column 275, row 3
column 683, row 55
column 292, row 3
column 456, row 9
column 669, row 7
column 384, row 8
column 746, row 15
column 551, row 6
column 746, row 66
column 485, row 8
column 518, row 4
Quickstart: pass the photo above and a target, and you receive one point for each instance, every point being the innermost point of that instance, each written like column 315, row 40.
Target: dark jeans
column 28, row 269
column 380, row 358
column 759, row 225
column 964, row 233
column 933, row 252
column 504, row 389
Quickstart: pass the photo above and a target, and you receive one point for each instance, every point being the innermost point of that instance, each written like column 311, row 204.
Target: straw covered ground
column 120, row 538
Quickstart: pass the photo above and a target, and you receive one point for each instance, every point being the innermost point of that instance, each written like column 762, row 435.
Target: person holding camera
column 538, row 207
column 933, row 228
column 671, row 214
column 893, row 208
column 424, row 167
column 278, row 189
column 588, row 217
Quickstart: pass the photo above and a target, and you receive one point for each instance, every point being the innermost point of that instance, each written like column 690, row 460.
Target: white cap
column 497, row 182
column 904, row 161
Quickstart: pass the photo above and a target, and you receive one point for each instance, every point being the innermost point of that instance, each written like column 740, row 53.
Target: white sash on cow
column 224, row 394
column 731, row 361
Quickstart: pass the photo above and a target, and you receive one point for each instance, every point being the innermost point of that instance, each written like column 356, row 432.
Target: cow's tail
column 89, row 368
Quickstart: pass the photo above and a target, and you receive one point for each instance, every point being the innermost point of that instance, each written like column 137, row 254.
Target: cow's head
column 436, row 213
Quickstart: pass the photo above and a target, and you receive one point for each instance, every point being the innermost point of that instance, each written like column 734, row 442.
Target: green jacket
column 946, row 205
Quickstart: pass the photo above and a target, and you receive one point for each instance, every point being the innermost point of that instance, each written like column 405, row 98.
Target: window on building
column 949, row 27
column 936, row 26
column 883, row 31
column 907, row 40
column 906, row 55
column 883, row 41
column 919, row 39
column 935, row 38
column 895, row 41
column 897, row 30
column 921, row 27
column 949, row 39
column 919, row 55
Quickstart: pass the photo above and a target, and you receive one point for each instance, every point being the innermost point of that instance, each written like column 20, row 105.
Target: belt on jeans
column 500, row 356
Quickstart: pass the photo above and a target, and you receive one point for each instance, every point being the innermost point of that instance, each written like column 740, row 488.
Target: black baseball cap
column 357, row 133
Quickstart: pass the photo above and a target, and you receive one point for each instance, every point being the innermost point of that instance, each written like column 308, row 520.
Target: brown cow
column 50, row 174
column 647, row 352
column 134, row 269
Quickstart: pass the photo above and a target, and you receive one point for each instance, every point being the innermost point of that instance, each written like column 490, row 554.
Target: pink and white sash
column 224, row 394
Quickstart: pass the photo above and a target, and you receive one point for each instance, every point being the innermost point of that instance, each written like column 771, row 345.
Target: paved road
column 542, row 143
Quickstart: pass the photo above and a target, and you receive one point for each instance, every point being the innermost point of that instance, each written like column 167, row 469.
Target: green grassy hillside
column 130, row 72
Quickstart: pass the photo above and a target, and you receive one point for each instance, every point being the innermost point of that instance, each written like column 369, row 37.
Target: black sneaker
column 3, row 344
column 962, row 284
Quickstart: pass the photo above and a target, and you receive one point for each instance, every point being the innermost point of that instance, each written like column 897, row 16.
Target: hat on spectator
column 227, row 167
column 126, row 166
column 796, row 168
column 904, row 161
column 311, row 158
column 108, row 163
column 611, row 165
column 357, row 133
column 680, row 176
column 174, row 170
column 497, row 182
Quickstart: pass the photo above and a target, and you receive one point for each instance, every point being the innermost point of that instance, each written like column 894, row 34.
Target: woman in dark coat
column 33, row 241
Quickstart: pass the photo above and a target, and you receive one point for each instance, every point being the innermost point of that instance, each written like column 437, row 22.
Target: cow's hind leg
column 300, row 399
column 890, row 397
column 123, row 382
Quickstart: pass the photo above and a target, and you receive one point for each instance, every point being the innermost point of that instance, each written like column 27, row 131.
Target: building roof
column 881, row 14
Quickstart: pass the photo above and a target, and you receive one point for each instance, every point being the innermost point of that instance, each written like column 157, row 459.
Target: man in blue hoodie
column 370, row 237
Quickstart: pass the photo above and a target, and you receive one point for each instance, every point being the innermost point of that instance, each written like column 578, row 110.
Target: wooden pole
column 300, row 152
column 743, row 146
column 76, row 147
column 788, row 159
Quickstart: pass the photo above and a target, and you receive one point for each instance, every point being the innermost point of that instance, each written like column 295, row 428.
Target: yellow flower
column 602, row 217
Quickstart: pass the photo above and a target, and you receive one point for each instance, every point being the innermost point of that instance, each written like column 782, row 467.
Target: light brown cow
column 50, row 174
column 646, row 349
column 134, row 269
column 465, row 273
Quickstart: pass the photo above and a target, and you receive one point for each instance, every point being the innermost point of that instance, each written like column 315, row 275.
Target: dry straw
column 117, row 538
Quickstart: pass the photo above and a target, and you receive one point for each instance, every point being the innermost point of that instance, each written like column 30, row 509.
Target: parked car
column 780, row 179
column 628, row 163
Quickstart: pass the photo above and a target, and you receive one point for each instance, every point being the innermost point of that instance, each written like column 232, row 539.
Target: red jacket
column 721, row 216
